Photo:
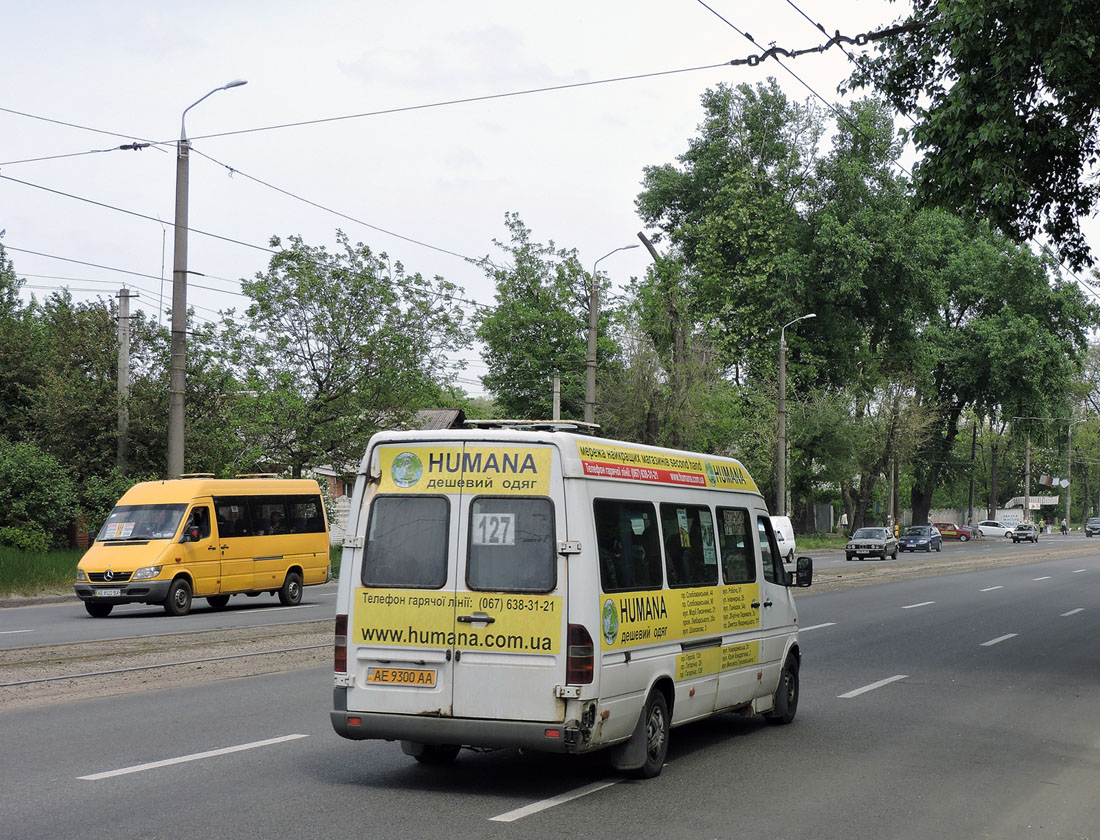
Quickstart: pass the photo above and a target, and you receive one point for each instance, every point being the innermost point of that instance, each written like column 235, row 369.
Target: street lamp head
column 235, row 83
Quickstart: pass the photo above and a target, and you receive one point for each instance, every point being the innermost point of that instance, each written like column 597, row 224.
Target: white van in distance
column 528, row 586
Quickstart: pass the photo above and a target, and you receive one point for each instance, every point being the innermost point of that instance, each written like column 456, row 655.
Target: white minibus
column 530, row 586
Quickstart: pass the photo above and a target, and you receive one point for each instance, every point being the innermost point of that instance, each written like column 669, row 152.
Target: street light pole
column 177, row 378
column 593, row 321
column 781, row 447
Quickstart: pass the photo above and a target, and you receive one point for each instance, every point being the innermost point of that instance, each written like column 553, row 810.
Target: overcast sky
column 569, row 162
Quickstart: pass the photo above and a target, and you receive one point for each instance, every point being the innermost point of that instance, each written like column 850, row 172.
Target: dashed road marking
column 858, row 691
column 990, row 588
column 153, row 765
column 1073, row 612
column 921, row 604
column 544, row 804
column 1000, row 639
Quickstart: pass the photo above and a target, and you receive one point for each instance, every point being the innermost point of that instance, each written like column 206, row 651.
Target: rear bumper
column 466, row 732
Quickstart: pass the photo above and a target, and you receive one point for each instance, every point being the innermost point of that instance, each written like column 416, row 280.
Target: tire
column 291, row 593
column 928, row 548
column 656, row 735
column 786, row 695
column 178, row 601
column 939, row 545
column 848, row 557
column 790, row 556
column 963, row 537
column 437, row 754
column 96, row 610
column 218, row 602
column 894, row 556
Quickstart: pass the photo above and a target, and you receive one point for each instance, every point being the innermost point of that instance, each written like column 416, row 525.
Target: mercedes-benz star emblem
column 109, row 575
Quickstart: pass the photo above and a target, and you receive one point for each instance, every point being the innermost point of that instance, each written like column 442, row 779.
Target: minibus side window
column 269, row 515
column 769, row 551
column 628, row 544
column 407, row 542
column 736, row 543
column 305, row 515
column 511, row 546
column 232, row 516
column 198, row 525
column 691, row 558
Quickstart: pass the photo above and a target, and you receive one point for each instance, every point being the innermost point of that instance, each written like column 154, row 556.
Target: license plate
column 107, row 593
column 424, row 677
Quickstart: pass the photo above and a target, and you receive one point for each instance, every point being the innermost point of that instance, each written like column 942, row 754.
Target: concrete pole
column 557, row 397
column 781, row 436
column 1027, row 480
column 593, row 323
column 177, row 377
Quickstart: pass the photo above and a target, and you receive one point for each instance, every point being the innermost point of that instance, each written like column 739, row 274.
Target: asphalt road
column 953, row 706
column 68, row 621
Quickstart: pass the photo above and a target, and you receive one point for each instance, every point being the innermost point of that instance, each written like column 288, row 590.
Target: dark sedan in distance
column 921, row 538
column 1092, row 526
column 1025, row 531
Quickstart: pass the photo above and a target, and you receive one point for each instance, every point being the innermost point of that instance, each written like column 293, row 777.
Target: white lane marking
column 858, row 691
column 1000, row 639
column 990, row 588
column 817, row 626
column 7, row 632
column 152, row 765
column 1045, row 577
column 1073, row 612
column 542, row 805
column 1077, row 571
column 921, row 604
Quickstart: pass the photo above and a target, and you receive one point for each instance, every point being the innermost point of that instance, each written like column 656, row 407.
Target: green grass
column 33, row 572
column 808, row 542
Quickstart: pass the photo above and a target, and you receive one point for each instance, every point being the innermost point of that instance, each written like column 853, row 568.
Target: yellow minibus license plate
column 402, row 676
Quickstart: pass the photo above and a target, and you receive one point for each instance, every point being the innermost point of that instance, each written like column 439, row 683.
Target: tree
column 1007, row 110
column 333, row 347
column 539, row 326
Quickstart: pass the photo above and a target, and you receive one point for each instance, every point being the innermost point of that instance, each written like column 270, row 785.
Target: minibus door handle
column 211, row 548
column 470, row 619
column 769, row 603
column 755, row 604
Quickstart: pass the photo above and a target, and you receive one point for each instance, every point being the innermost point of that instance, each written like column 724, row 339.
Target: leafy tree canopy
column 1007, row 106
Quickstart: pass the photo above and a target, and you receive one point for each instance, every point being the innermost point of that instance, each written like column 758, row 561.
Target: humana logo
column 464, row 462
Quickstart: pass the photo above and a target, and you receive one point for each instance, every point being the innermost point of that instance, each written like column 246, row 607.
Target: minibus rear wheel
column 178, row 601
column 291, row 593
column 656, row 735
column 432, row 753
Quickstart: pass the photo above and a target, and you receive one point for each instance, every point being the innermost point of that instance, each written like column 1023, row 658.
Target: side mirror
column 804, row 571
column 190, row 535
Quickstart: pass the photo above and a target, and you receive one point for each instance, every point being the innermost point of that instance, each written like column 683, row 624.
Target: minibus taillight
column 341, row 658
column 581, row 657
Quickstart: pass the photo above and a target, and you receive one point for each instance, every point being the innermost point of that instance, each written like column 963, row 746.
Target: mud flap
column 631, row 754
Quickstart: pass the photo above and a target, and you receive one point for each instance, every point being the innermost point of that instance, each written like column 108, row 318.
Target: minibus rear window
column 407, row 542
column 141, row 522
column 511, row 545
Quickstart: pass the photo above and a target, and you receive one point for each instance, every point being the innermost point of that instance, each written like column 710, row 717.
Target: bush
column 36, row 491
column 28, row 537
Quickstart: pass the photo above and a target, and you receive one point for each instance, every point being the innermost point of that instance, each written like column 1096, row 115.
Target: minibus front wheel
column 98, row 610
column 178, row 601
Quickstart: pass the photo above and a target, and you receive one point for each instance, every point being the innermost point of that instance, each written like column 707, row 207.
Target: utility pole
column 593, row 323
column 1027, row 480
column 973, row 453
column 781, row 443
column 557, row 396
column 123, row 454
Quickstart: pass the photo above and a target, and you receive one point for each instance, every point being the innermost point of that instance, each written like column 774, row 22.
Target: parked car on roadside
column 784, row 535
column 872, row 542
column 951, row 531
column 1025, row 531
column 1092, row 526
column 993, row 528
column 921, row 538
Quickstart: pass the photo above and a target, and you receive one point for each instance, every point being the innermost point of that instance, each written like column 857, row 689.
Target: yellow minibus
column 167, row 542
